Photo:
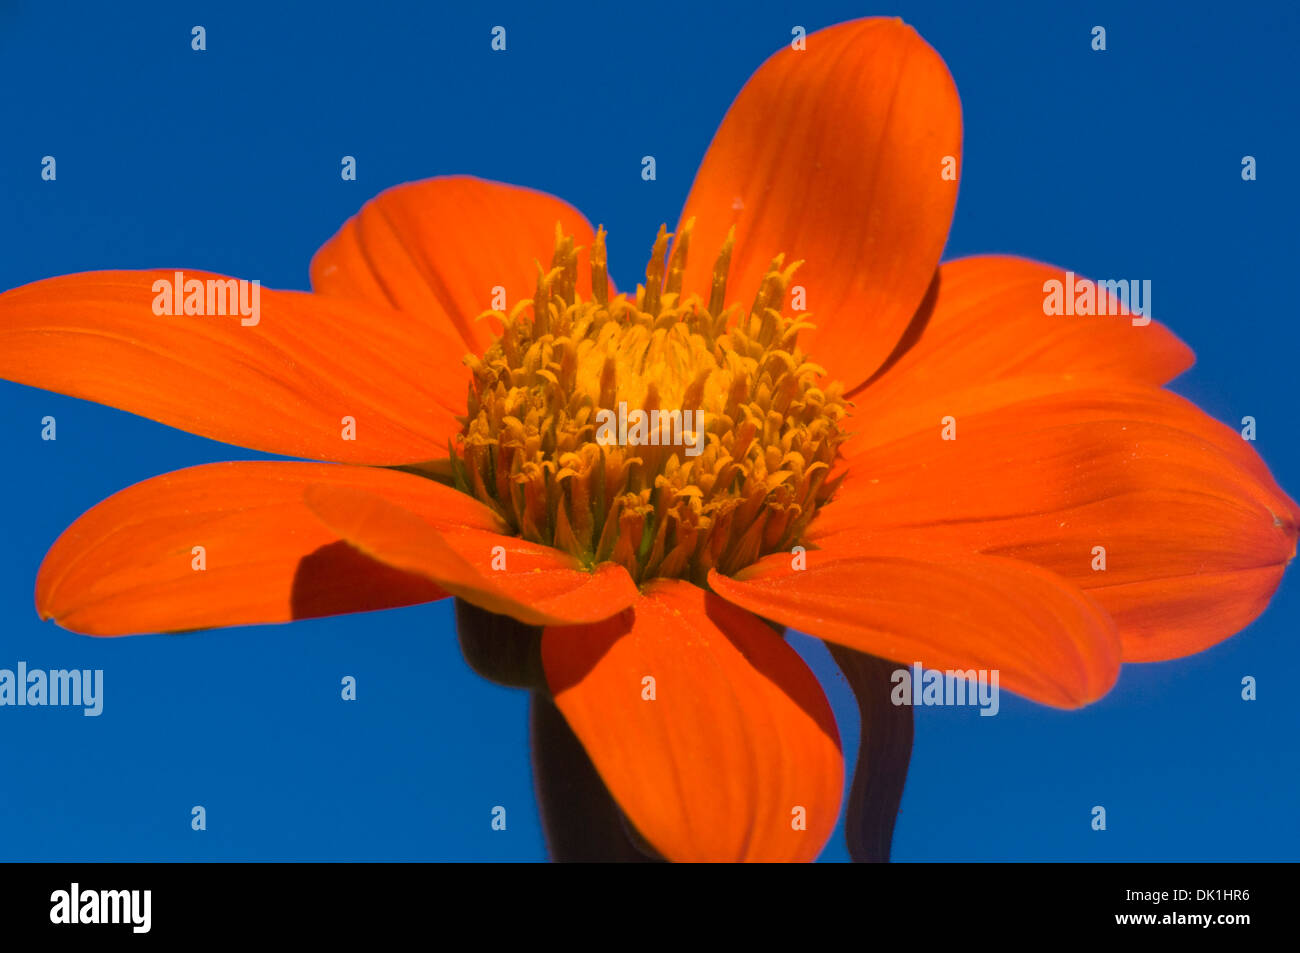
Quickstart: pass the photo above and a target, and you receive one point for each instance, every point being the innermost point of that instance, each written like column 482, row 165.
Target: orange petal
column 983, row 324
column 1047, row 640
column 282, row 385
column 438, row 248
column 834, row 155
column 736, row 740
column 535, row 584
column 1196, row 533
column 128, row 565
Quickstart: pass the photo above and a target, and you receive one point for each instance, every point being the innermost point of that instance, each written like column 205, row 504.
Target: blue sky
column 1123, row 163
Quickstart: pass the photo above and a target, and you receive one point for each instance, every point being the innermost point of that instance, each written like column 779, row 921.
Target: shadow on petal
column 338, row 578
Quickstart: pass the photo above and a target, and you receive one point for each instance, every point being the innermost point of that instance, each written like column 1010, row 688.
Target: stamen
column 662, row 433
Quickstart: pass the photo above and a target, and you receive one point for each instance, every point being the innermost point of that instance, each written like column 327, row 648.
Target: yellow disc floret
column 669, row 434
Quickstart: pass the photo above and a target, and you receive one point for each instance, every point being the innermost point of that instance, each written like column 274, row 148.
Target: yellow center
column 668, row 434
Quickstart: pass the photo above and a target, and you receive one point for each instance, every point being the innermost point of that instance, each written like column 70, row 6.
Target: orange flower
column 823, row 497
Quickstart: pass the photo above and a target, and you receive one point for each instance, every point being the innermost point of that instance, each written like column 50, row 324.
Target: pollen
column 669, row 433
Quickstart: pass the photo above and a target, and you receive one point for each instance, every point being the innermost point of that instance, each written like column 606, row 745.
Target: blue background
column 1123, row 163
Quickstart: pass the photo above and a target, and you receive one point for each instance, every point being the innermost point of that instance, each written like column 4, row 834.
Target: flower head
column 920, row 467
column 731, row 385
